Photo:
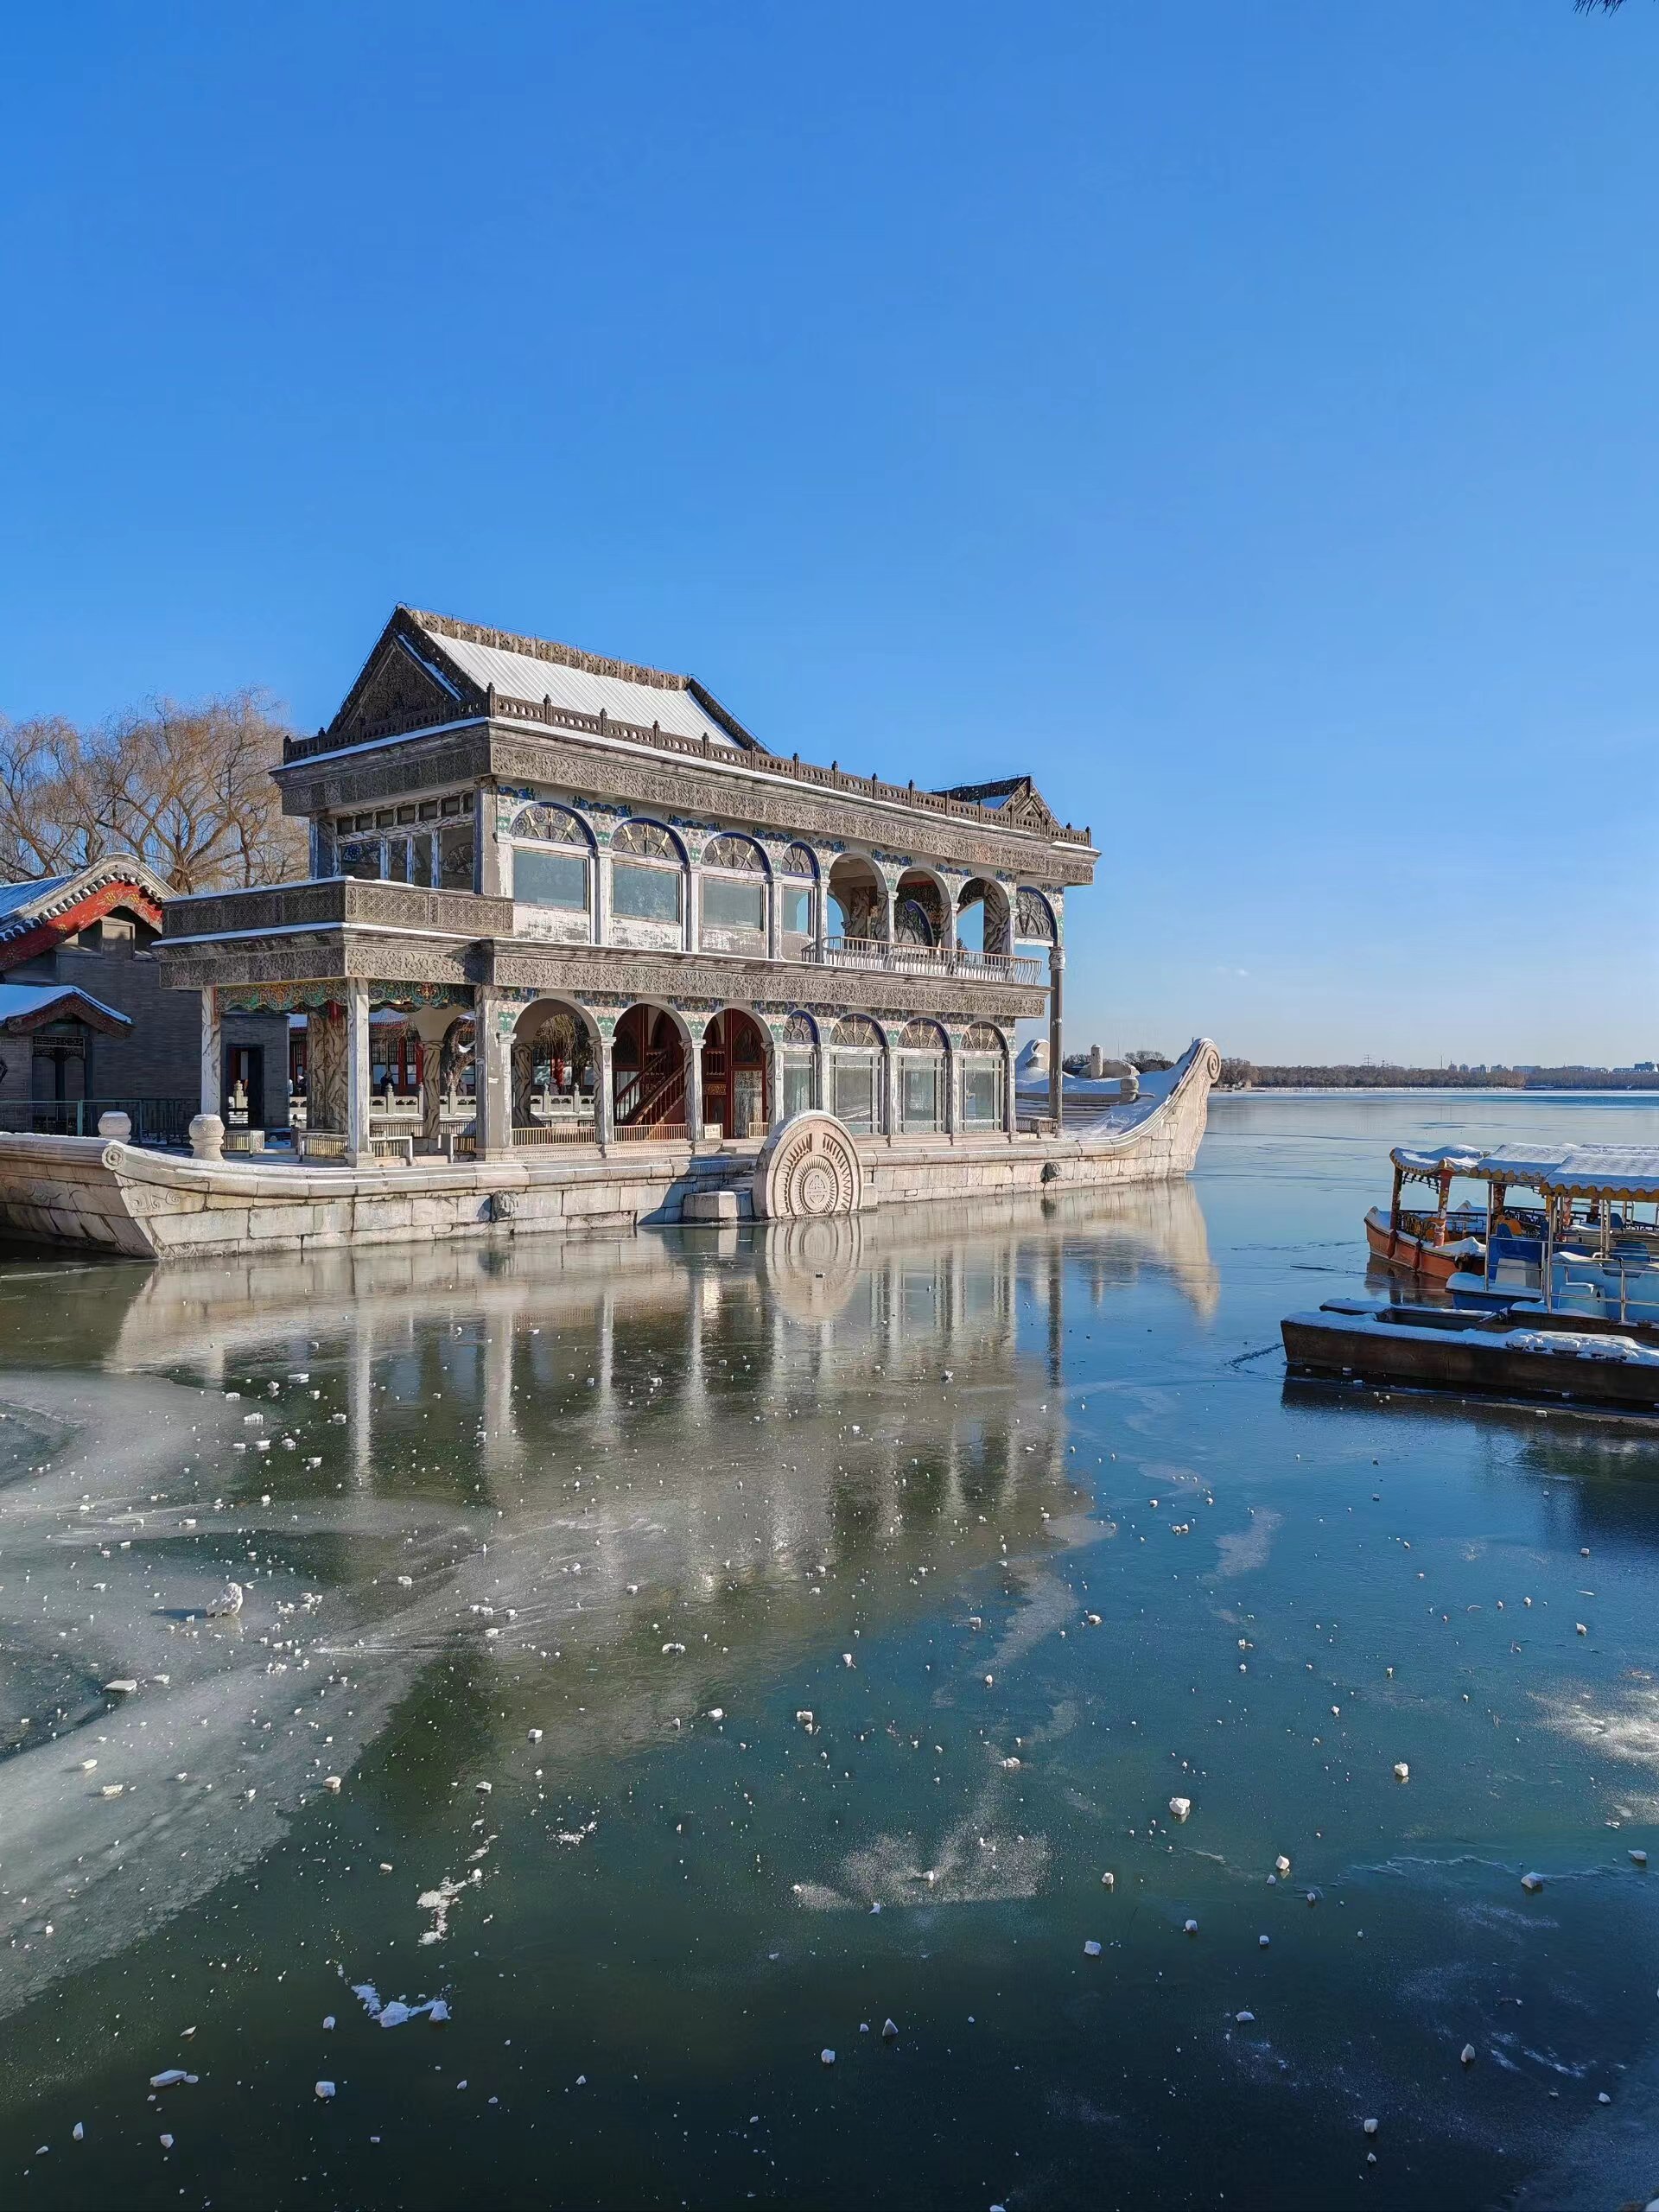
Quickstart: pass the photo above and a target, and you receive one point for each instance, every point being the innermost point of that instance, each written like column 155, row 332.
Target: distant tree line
column 187, row 788
column 1370, row 1076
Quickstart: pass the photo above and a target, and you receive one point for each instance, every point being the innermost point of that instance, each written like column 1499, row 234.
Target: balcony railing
column 499, row 707
column 902, row 959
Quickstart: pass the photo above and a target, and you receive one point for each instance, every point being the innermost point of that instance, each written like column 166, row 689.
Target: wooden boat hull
column 1410, row 1255
column 1468, row 1353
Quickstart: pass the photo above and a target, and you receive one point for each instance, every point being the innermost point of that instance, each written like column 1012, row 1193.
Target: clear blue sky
column 1242, row 417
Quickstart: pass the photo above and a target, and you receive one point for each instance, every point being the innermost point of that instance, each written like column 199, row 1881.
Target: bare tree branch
column 186, row 787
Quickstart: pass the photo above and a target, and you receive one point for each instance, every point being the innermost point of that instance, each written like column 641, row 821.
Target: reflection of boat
column 1428, row 1243
column 1513, row 1353
column 453, row 1393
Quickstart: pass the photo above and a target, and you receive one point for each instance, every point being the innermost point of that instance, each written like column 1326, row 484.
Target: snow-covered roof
column 23, row 905
column 1606, row 1171
column 575, row 682
column 1459, row 1158
column 30, row 1002
column 1526, row 1164
column 15, row 897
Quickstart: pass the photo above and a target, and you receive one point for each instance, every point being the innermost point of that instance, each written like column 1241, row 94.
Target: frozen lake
column 826, row 1614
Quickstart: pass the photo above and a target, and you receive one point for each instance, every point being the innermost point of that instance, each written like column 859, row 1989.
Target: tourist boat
column 1563, row 1306
column 1430, row 1243
column 1571, row 1229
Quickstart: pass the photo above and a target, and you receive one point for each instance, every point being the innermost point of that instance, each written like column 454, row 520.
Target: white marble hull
column 91, row 1194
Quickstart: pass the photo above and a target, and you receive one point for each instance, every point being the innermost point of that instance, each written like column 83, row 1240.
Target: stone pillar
column 604, row 1095
column 431, row 1091
column 600, row 898
column 694, row 1079
column 820, row 909
column 324, row 1079
column 693, row 909
column 357, row 1075
column 212, row 1052
column 1010, row 1103
column 493, row 1091
column 487, row 865
column 1056, row 1073
column 952, row 1090
column 821, row 1077
column 774, row 919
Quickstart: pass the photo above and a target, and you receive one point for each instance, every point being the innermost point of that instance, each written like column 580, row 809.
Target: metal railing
column 901, row 959
column 154, row 1121
column 659, row 1133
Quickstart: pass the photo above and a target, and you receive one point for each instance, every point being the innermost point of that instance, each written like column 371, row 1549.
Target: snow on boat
column 1431, row 1243
column 1563, row 1359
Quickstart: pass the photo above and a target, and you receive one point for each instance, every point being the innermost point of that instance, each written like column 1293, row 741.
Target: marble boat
column 100, row 1194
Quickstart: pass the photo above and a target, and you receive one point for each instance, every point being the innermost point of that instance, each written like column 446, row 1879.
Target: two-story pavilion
column 560, row 899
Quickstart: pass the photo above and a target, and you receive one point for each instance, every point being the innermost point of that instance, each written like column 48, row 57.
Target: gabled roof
column 1016, row 797
column 33, row 915
column 24, row 1007
column 430, row 663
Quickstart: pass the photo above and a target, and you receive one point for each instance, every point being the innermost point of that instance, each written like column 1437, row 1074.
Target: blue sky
column 1242, row 417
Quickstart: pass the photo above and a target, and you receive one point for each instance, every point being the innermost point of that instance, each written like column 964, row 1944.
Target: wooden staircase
column 651, row 1098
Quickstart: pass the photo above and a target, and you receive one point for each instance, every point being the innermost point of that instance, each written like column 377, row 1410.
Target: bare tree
column 187, row 788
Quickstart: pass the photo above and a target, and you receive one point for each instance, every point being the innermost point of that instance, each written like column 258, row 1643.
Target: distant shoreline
column 1436, row 1090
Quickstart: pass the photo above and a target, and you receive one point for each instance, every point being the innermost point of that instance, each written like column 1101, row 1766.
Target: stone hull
column 117, row 1199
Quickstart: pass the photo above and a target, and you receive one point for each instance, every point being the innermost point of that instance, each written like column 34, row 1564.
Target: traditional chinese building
column 86, row 1023
column 561, row 900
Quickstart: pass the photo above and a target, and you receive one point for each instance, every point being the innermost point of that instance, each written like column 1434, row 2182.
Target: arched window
column 856, row 1076
column 920, row 1084
column 735, row 900
column 1033, row 918
column 798, row 1073
column 645, row 840
column 858, row 1033
column 984, row 1074
column 797, row 863
column 549, row 825
column 739, row 853
column 549, row 863
column 646, row 873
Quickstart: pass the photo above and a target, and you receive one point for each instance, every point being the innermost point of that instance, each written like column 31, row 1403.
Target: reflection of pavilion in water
column 746, row 1444
column 699, row 1359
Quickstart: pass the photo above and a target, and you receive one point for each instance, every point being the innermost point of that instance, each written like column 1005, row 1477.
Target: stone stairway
column 720, row 1189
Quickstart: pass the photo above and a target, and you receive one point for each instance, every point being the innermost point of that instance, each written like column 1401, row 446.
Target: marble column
column 358, row 1153
column 604, row 1094
column 694, row 1079
column 1056, row 1046
column 213, row 1053
column 493, row 1137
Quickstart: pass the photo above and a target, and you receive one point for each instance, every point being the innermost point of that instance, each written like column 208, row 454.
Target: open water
column 728, row 1643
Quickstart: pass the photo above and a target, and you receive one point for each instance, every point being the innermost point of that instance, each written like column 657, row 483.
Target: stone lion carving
column 808, row 1168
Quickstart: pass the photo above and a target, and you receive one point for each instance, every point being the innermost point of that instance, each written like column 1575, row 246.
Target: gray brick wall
column 160, row 1057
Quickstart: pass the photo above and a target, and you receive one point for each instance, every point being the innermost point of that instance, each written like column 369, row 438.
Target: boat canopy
column 1450, row 1159
column 1525, row 1164
column 1605, row 1171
